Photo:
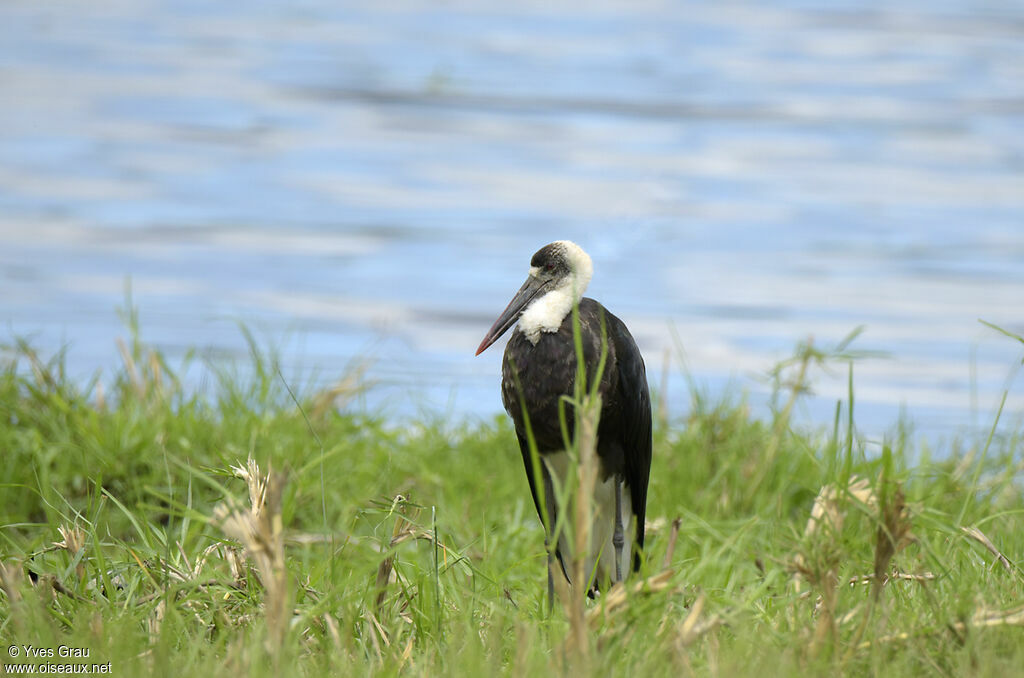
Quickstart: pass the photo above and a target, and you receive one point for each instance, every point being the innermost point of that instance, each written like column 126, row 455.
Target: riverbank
column 261, row 528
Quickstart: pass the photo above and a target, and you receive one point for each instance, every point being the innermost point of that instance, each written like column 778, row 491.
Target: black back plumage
column 538, row 376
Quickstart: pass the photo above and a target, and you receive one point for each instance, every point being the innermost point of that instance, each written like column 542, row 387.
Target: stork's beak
column 527, row 293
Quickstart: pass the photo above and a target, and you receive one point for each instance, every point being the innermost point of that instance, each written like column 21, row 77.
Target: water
column 370, row 181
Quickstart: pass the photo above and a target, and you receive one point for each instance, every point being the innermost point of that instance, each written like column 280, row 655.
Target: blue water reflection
column 370, row 181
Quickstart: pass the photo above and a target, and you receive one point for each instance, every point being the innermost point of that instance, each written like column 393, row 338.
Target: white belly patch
column 600, row 561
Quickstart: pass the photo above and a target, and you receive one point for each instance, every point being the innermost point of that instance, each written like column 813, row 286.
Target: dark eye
column 550, row 266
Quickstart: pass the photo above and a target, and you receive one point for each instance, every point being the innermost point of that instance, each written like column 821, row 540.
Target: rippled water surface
column 370, row 180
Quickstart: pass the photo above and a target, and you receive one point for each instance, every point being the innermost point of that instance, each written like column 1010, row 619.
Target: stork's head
column 559, row 274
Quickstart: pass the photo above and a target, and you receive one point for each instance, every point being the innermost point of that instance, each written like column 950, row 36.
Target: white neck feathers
column 546, row 313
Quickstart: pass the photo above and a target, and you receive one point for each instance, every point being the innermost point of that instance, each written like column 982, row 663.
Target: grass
column 234, row 532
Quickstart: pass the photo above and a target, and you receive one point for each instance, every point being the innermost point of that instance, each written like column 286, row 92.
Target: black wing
column 634, row 414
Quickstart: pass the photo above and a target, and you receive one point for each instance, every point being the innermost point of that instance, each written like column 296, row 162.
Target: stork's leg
column 551, row 582
column 617, row 537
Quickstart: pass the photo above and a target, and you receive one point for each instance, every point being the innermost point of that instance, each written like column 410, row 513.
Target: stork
column 539, row 369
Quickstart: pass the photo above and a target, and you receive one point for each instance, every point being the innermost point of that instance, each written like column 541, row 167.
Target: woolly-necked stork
column 540, row 367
